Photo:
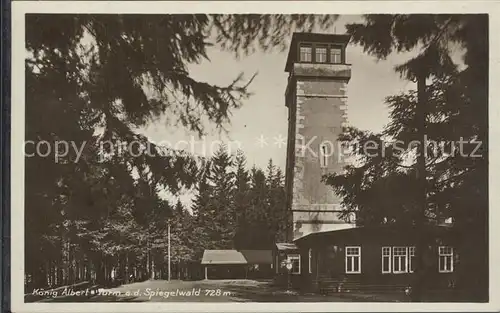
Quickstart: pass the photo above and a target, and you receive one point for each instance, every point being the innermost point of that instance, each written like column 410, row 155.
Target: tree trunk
column 77, row 270
column 81, row 274
column 100, row 268
column 57, row 279
column 71, row 264
column 126, row 268
column 152, row 265
column 148, row 263
column 60, row 273
column 52, row 275
column 47, row 273
column 120, row 272
column 106, row 274
column 108, row 268
column 88, row 270
column 420, row 217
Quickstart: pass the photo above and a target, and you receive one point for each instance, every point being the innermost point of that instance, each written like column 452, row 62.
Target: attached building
column 234, row 264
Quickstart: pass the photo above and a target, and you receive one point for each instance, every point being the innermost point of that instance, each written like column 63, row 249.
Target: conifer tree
column 241, row 201
column 442, row 112
column 101, row 77
column 222, row 202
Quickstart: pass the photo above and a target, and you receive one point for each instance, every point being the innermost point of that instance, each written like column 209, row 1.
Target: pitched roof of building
column 312, row 37
column 237, row 257
column 375, row 230
column 258, row 256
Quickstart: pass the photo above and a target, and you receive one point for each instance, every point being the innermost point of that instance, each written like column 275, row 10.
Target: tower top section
column 316, row 48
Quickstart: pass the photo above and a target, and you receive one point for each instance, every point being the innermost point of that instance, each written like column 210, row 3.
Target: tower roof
column 341, row 39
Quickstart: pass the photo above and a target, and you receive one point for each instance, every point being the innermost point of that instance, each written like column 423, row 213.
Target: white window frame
column 443, row 253
column 398, row 257
column 309, row 53
column 310, row 260
column 317, row 54
column 335, row 55
column 387, row 255
column 411, row 257
column 292, row 257
column 351, row 257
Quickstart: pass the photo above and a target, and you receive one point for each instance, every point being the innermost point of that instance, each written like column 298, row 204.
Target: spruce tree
column 101, row 77
column 438, row 185
column 222, row 202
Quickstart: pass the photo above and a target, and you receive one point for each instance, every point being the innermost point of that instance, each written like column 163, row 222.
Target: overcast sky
column 264, row 114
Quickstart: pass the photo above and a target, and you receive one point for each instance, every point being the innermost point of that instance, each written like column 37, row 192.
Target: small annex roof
column 284, row 246
column 223, row 257
column 237, row 257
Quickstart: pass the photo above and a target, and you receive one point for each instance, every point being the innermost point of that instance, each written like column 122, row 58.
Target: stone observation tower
column 316, row 97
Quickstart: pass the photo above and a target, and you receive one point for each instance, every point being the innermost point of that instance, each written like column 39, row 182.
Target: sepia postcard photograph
column 277, row 156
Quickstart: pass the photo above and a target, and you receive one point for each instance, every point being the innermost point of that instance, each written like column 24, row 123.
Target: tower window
column 321, row 54
column 335, row 55
column 305, row 54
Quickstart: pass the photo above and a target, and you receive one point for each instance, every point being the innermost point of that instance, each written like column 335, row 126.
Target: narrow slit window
column 411, row 261
column 310, row 261
column 323, row 155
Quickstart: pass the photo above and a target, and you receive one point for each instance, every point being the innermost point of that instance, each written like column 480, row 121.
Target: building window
column 305, row 54
column 353, row 260
column 323, row 155
column 310, row 261
column 445, row 259
column 321, row 54
column 335, row 55
column 295, row 260
column 399, row 260
column 411, row 261
column 386, row 260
